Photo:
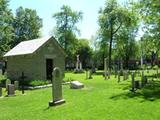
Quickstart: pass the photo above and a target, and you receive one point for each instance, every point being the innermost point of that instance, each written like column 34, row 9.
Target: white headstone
column 76, row 85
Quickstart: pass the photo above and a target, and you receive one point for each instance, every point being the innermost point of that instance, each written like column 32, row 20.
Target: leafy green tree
column 85, row 52
column 66, row 21
column 111, row 18
column 125, row 46
column 66, row 29
column 150, row 12
column 6, row 29
column 27, row 25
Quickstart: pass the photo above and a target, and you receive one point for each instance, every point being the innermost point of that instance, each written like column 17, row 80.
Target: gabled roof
column 27, row 47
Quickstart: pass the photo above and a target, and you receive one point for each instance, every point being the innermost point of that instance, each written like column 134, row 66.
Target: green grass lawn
column 99, row 100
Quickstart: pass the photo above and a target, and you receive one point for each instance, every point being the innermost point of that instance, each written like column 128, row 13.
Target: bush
column 38, row 82
column 2, row 80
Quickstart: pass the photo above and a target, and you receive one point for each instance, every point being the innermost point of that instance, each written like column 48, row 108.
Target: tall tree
column 26, row 25
column 66, row 28
column 126, row 46
column 85, row 52
column 111, row 18
column 6, row 29
column 150, row 12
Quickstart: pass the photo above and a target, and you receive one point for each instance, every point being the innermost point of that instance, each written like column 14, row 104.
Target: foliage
column 26, row 25
column 6, row 28
column 111, row 19
column 38, row 82
column 85, row 52
column 66, row 28
column 149, row 10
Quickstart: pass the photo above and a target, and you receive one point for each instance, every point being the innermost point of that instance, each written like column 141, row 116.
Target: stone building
column 36, row 58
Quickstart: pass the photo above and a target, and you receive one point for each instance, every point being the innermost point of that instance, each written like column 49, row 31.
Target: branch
column 117, row 28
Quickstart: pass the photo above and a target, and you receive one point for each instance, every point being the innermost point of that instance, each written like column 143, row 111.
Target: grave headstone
column 80, row 66
column 105, row 68
column 127, row 74
column 116, row 71
column 76, row 85
column 7, row 83
column 133, row 83
column 143, row 80
column 119, row 77
column 16, row 84
column 22, row 79
column 11, row 90
column 90, row 74
column 124, row 75
column 0, row 91
column 86, row 74
column 56, row 88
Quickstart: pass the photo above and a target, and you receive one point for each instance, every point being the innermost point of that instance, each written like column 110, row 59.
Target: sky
column 46, row 8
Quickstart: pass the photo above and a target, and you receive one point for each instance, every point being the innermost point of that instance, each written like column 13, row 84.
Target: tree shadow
column 98, row 73
column 150, row 92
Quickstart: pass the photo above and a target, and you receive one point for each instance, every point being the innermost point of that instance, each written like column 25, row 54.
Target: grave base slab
column 54, row 103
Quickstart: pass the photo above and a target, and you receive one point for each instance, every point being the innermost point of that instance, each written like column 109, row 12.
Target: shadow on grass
column 150, row 92
column 98, row 73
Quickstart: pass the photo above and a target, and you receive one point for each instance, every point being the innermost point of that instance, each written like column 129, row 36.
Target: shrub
column 38, row 82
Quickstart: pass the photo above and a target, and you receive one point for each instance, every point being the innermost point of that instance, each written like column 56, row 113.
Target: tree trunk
column 110, row 48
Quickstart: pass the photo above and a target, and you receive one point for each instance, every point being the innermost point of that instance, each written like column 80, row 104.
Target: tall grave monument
column 79, row 68
column 56, row 88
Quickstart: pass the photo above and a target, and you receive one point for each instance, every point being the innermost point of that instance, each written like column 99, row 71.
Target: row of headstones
column 125, row 75
column 135, row 84
column 10, row 88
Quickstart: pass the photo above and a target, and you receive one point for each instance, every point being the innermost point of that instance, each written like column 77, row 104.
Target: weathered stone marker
column 11, row 90
column 86, row 74
column 56, row 88
column 106, row 72
column 22, row 78
column 133, row 83
column 16, row 84
column 90, row 74
column 7, row 83
column 0, row 91
column 116, row 71
column 143, row 80
column 105, row 68
column 119, row 76
column 76, row 85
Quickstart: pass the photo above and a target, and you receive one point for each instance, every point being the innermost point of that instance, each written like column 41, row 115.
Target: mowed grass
column 99, row 100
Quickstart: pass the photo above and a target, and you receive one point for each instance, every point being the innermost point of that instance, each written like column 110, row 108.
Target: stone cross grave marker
column 7, row 83
column 16, row 84
column 56, row 88
column 11, row 90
